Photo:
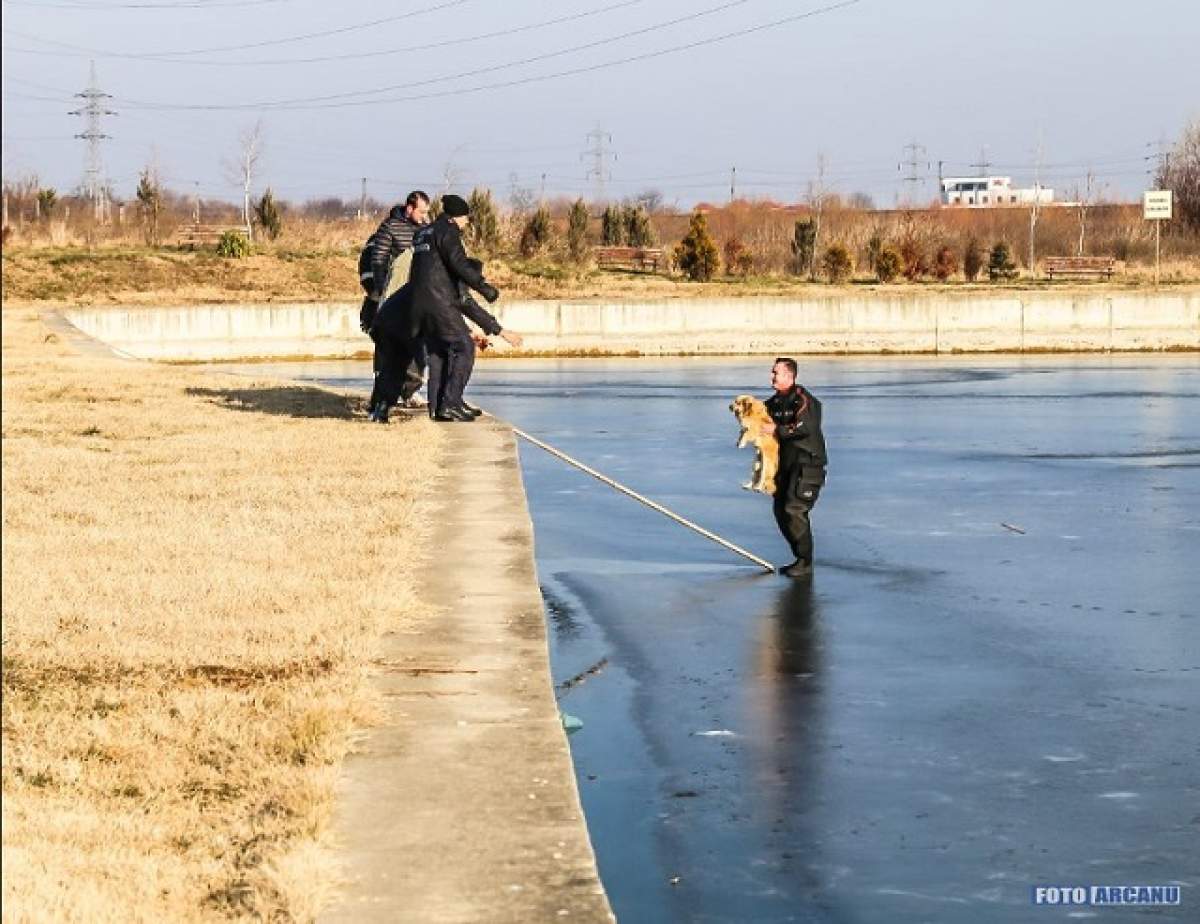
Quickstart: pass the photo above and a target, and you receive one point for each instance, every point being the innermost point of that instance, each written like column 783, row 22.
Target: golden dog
column 759, row 429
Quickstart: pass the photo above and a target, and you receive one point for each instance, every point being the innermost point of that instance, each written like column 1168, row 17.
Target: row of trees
column 758, row 236
column 537, row 233
column 698, row 257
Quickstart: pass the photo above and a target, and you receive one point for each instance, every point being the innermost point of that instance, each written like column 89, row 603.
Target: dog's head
column 742, row 406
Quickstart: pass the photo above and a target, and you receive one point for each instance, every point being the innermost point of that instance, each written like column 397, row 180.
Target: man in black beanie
column 440, row 265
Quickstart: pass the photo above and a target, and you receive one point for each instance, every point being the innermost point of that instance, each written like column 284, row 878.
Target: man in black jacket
column 399, row 355
column 392, row 238
column 440, row 267
column 796, row 414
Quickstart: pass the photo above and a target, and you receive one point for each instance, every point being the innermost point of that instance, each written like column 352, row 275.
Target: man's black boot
column 470, row 409
column 455, row 414
column 800, row 568
column 379, row 413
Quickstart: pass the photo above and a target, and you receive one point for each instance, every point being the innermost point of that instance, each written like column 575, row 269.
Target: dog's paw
column 767, row 487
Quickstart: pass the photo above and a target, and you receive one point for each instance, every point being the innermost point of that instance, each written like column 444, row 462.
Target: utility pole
column 362, row 200
column 915, row 152
column 600, row 158
column 984, row 164
column 732, row 183
column 92, row 111
column 196, row 204
column 1158, row 162
column 542, row 197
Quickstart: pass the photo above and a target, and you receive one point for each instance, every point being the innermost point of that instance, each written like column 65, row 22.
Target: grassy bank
column 195, row 571
column 144, row 276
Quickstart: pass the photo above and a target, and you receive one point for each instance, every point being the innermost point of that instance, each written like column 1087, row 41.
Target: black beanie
column 455, row 206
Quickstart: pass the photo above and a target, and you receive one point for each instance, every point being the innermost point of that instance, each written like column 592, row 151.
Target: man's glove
column 366, row 315
column 489, row 291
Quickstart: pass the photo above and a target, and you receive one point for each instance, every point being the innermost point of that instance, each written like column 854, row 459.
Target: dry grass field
column 196, row 569
column 141, row 276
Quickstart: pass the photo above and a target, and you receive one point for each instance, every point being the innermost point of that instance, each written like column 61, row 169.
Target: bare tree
column 1035, row 210
column 650, row 199
column 150, row 201
column 1180, row 173
column 521, row 199
column 1084, row 197
column 452, row 173
column 818, row 192
column 244, row 168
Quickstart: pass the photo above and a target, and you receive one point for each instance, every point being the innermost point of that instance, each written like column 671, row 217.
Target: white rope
column 558, row 454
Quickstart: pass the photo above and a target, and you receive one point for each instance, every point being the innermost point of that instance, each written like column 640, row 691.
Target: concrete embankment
column 846, row 322
column 461, row 805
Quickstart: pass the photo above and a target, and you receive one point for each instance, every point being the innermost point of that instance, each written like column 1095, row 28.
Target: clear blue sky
column 1096, row 82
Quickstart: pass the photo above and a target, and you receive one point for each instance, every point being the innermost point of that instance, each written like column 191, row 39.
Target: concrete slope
column 462, row 805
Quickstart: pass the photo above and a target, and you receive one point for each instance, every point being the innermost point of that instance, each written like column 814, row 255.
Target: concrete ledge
column 944, row 322
column 462, row 805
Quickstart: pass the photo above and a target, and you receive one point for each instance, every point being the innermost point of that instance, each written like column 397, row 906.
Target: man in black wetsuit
column 802, row 460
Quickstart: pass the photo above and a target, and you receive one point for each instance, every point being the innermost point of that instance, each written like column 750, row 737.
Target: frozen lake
column 954, row 711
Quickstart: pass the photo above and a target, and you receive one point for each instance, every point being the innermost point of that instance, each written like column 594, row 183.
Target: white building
column 991, row 191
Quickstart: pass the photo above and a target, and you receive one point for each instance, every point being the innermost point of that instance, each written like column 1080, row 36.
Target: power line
column 184, row 5
column 303, row 100
column 172, row 57
column 1158, row 162
column 263, row 44
column 984, row 164
column 523, row 81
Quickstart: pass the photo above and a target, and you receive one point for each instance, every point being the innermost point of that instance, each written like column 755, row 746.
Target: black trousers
column 399, row 368
column 797, row 488
column 450, row 365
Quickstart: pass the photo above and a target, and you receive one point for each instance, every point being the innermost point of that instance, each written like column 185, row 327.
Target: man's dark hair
column 789, row 362
column 417, row 195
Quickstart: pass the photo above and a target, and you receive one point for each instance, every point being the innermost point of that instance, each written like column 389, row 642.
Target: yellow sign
column 1156, row 204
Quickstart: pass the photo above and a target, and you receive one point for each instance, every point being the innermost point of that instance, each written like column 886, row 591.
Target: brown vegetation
column 314, row 259
column 196, row 569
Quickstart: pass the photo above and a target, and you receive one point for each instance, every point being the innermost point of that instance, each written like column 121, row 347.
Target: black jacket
column 396, row 318
column 797, row 416
column 439, row 266
column 393, row 236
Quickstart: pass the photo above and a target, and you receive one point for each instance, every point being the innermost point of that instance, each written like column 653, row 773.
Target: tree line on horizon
column 824, row 237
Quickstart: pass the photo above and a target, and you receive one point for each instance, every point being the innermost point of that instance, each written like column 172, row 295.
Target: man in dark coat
column 796, row 414
column 440, row 271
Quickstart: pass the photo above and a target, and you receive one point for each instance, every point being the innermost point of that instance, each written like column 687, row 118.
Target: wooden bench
column 1080, row 266
column 193, row 236
column 639, row 259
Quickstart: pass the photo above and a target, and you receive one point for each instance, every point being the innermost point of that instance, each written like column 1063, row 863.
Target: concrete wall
column 837, row 323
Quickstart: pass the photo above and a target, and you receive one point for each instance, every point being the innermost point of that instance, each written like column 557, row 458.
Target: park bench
column 1080, row 266
column 631, row 258
column 194, row 235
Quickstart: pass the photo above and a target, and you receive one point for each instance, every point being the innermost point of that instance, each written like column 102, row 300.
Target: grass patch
column 195, row 575
column 146, row 276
